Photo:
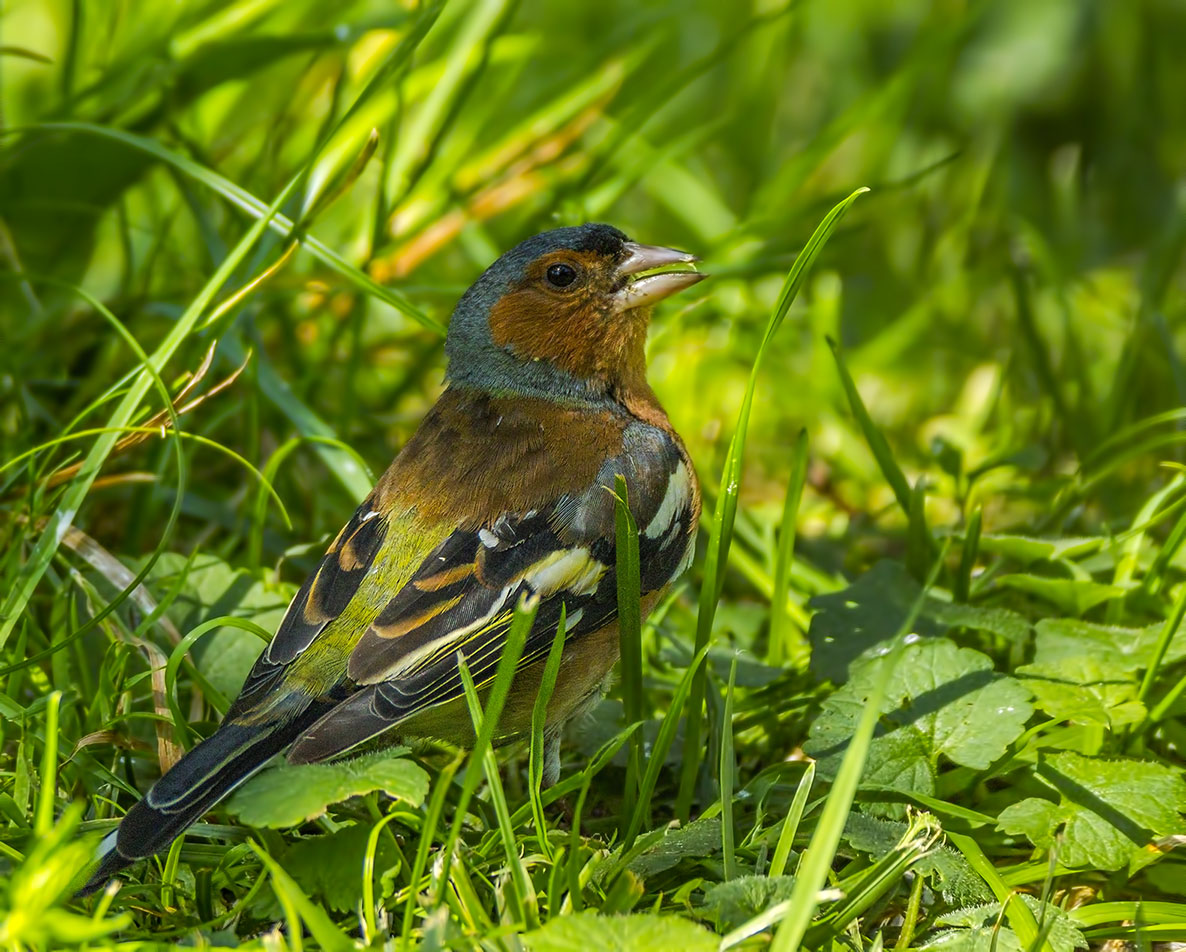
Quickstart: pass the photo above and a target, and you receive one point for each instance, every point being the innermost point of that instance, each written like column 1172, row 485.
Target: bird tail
column 195, row 783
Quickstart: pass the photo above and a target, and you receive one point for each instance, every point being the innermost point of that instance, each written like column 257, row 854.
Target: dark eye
column 561, row 275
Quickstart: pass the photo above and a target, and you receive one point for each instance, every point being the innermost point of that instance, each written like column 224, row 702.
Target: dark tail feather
column 198, row 781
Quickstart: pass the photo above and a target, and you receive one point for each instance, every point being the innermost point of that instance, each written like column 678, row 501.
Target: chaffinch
column 504, row 490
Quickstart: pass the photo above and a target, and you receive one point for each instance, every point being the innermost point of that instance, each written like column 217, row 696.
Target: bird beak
column 649, row 288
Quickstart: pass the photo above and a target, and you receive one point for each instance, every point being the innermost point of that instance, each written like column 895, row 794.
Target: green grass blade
column 968, row 553
column 463, row 64
column 728, row 768
column 662, row 745
column 539, row 716
column 266, row 216
column 369, row 926
column 484, row 734
column 1021, row 919
column 1043, row 363
column 629, row 636
column 78, row 488
column 524, row 891
column 47, row 796
column 782, row 632
column 329, row 937
column 873, row 436
column 919, row 544
column 432, row 820
column 1172, row 623
column 790, row 826
column 153, row 377
column 721, row 529
column 342, row 463
column 873, row 883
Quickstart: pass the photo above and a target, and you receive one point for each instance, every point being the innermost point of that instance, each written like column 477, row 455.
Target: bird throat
column 602, row 353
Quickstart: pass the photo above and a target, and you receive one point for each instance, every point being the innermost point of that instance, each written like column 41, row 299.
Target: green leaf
column 698, row 839
column 1057, row 640
column 732, row 903
column 1075, row 596
column 976, row 929
column 329, row 867
column 855, row 622
column 942, row 701
column 289, row 795
column 1085, row 690
column 328, row 936
column 850, row 624
column 1168, row 878
column 1108, row 811
column 998, row 621
column 635, row 933
column 1033, row 818
column 1027, row 549
column 953, row 876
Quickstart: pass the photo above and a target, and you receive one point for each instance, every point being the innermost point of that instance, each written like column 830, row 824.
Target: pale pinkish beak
column 650, row 288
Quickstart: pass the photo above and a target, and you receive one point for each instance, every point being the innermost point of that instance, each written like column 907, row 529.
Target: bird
column 504, row 491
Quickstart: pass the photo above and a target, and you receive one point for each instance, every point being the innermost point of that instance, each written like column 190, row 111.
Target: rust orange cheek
column 538, row 328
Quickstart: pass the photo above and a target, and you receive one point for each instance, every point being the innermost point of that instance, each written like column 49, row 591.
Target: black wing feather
column 322, row 598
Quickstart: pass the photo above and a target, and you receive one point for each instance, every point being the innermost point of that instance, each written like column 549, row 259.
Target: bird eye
column 561, row 275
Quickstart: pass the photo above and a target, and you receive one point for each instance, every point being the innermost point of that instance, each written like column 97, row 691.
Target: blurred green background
column 1027, row 151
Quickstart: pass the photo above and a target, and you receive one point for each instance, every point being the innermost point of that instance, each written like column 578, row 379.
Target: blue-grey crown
column 474, row 359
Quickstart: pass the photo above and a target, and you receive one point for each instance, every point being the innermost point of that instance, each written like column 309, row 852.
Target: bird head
column 563, row 314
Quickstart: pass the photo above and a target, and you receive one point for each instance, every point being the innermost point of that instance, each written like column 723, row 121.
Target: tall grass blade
column 1168, row 630
column 971, row 547
column 1021, row 919
column 873, row 436
column 47, row 796
column 629, row 637
column 728, row 768
column 78, row 488
column 662, row 745
column 321, row 926
column 721, row 529
column 432, row 820
column 484, row 735
column 539, row 716
column 780, row 648
column 524, row 891
column 790, row 826
column 919, row 544
column 267, row 215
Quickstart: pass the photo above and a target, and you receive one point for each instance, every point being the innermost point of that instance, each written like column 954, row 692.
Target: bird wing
column 331, row 606
column 462, row 596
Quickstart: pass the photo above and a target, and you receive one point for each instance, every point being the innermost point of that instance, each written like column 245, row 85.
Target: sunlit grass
column 945, row 416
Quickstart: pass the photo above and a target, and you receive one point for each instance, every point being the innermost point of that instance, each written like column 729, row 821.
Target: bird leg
column 551, row 772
